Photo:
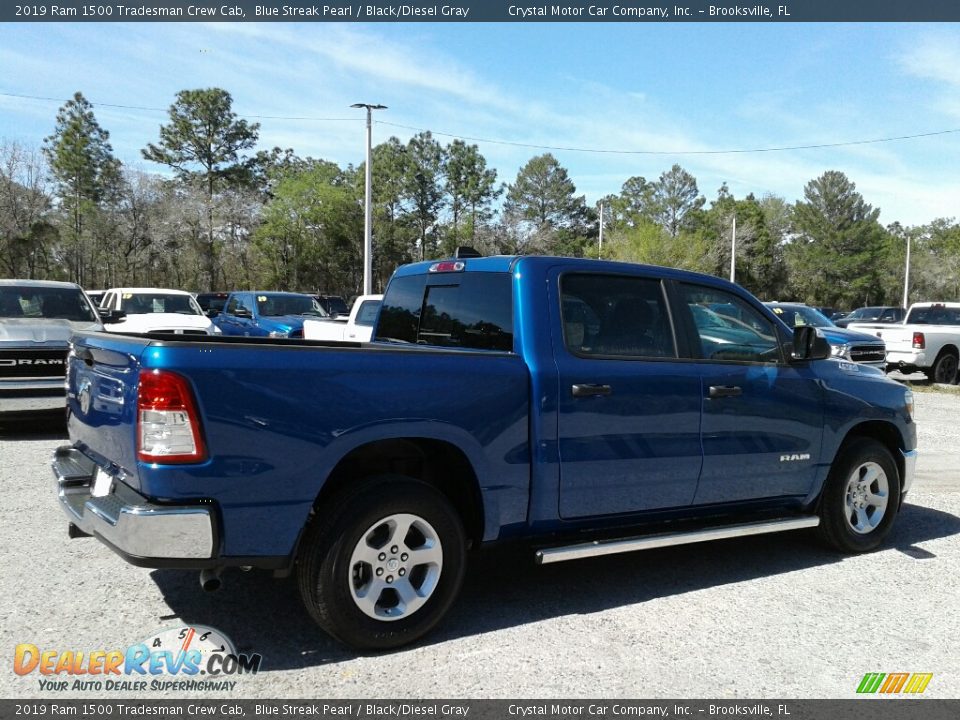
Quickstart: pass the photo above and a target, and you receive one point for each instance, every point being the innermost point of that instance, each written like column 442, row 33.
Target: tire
column 861, row 497
column 944, row 369
column 380, row 567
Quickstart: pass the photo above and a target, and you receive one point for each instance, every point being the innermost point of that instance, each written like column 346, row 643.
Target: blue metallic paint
column 278, row 417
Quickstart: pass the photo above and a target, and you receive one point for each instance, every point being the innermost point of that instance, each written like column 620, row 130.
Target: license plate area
column 102, row 483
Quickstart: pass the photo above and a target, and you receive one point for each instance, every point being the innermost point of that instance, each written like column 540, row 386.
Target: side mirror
column 808, row 344
column 112, row 316
column 212, row 312
column 243, row 313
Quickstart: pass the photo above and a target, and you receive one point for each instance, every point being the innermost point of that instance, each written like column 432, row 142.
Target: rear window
column 367, row 314
column 462, row 310
column 934, row 315
column 280, row 305
column 156, row 303
column 50, row 303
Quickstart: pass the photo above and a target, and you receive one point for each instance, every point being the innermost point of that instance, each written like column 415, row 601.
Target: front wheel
column 382, row 564
column 861, row 497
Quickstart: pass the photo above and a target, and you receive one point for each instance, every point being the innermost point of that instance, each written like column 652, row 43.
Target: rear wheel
column 944, row 370
column 861, row 497
column 382, row 565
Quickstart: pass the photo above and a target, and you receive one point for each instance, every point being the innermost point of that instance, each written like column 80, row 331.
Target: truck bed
column 277, row 415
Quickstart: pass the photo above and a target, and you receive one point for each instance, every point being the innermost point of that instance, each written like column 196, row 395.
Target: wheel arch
column 437, row 462
column 886, row 433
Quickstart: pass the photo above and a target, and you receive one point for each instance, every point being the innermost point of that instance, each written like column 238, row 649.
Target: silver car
column 37, row 318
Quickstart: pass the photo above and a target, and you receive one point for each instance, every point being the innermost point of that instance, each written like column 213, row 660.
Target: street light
column 906, row 277
column 367, row 207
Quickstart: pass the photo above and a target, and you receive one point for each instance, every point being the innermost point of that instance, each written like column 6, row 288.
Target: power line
column 559, row 148
column 163, row 110
column 678, row 152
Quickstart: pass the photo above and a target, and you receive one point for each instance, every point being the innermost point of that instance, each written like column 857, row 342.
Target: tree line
column 225, row 216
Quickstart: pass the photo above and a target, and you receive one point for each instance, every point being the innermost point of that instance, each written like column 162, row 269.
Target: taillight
column 919, row 341
column 168, row 425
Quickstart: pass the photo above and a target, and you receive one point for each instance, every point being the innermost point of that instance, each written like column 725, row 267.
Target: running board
column 613, row 547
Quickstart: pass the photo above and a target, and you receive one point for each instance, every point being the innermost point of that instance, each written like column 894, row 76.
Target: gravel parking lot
column 765, row 617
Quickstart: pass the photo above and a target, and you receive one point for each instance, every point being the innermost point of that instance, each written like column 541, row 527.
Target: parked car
column 212, row 302
column 333, row 305
column 267, row 314
column 37, row 319
column 96, row 296
column 154, row 310
column 927, row 341
column 873, row 314
column 845, row 344
column 482, row 412
column 357, row 327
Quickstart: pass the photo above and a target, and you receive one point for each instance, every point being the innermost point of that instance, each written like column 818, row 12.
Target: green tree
column 85, row 171
column 837, row 250
column 312, row 230
column 675, row 200
column 423, row 187
column 471, row 188
column 205, row 143
column 544, row 197
column 391, row 224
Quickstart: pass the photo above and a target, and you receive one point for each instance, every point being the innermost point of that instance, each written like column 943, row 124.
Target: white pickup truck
column 358, row 327
column 928, row 340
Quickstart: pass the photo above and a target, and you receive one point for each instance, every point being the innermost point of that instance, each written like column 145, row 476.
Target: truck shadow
column 49, row 426
column 504, row 588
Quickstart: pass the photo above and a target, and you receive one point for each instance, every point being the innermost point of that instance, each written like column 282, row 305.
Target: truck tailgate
column 896, row 337
column 102, row 378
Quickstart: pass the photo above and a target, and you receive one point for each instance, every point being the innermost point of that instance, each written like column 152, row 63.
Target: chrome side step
column 613, row 547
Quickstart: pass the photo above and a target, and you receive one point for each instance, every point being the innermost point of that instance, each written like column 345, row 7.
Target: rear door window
column 458, row 310
column 611, row 316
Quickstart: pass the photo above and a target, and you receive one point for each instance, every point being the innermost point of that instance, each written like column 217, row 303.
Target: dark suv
column 212, row 302
column 873, row 314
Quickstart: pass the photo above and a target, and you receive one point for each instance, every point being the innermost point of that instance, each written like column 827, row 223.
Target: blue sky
column 663, row 87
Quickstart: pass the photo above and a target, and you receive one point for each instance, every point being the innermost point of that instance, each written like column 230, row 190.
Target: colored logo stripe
column 870, row 682
column 918, row 683
column 894, row 683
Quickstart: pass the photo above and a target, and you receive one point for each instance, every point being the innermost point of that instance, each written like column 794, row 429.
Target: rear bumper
column 142, row 532
column 27, row 396
column 907, row 358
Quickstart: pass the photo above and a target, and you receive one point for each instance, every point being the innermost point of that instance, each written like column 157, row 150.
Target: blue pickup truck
column 574, row 406
column 267, row 314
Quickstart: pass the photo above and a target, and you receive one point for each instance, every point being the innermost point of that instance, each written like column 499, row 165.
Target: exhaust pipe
column 210, row 579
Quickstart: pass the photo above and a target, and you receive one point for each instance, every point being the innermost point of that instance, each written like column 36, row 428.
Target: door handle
column 719, row 391
column 590, row 389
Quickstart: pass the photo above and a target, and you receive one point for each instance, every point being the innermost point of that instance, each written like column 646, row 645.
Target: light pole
column 733, row 250
column 906, row 277
column 367, row 206
column 600, row 247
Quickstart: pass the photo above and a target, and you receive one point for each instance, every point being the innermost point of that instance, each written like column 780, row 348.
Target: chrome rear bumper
column 142, row 532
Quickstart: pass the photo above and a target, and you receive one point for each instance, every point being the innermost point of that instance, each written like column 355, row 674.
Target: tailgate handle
column 590, row 389
column 720, row 391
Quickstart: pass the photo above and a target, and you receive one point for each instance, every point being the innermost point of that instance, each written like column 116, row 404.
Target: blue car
column 849, row 345
column 267, row 314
